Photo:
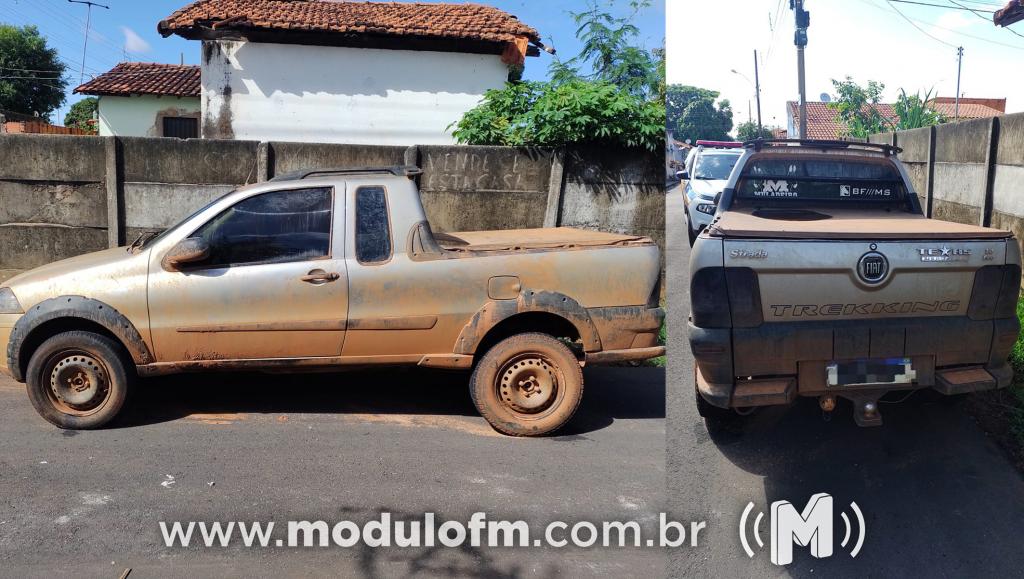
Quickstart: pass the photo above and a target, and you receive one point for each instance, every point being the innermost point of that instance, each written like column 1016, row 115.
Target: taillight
column 1009, row 292
column 995, row 292
column 725, row 297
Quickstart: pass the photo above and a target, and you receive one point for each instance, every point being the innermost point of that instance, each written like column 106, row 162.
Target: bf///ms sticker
column 848, row 191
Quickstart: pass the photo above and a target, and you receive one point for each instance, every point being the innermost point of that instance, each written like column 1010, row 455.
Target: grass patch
column 659, row 362
column 1016, row 390
column 1001, row 412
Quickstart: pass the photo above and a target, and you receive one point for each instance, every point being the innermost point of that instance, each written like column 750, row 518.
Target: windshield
column 147, row 239
column 715, row 166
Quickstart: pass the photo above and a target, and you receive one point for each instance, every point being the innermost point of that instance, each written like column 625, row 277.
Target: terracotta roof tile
column 130, row 78
column 1009, row 14
column 967, row 110
column 824, row 123
column 451, row 21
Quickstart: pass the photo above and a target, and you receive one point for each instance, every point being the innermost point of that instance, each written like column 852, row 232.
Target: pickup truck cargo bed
column 843, row 224
column 554, row 237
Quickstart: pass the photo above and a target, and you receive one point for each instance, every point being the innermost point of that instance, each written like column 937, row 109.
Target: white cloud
column 133, row 42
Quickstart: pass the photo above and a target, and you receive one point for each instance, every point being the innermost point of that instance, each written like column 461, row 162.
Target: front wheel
column 79, row 380
column 527, row 385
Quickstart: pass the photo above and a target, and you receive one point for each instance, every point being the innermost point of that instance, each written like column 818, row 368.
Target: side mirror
column 188, row 250
column 718, row 198
column 683, row 175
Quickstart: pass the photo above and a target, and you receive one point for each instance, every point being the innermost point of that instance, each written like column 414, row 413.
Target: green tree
column 81, row 114
column 858, row 107
column 609, row 94
column 31, row 76
column 609, row 51
column 693, row 114
column 914, row 112
column 748, row 131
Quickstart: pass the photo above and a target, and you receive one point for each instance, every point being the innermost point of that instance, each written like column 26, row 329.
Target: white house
column 141, row 99
column 386, row 73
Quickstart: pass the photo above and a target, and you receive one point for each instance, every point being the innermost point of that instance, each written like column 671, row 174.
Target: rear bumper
column 627, row 327
column 774, row 363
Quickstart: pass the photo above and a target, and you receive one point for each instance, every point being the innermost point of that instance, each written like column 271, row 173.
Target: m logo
column 811, row 527
column 776, row 187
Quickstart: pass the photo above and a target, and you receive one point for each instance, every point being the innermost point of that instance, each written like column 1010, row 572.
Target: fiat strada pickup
column 327, row 269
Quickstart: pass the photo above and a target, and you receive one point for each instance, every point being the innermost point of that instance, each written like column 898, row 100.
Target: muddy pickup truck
column 820, row 276
column 322, row 270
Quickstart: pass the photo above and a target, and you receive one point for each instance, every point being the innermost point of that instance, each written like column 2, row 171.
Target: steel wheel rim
column 78, row 382
column 530, row 385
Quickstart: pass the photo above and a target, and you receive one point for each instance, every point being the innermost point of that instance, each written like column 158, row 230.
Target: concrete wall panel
column 157, row 160
column 51, row 157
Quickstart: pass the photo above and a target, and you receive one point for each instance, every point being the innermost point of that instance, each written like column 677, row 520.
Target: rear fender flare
column 496, row 311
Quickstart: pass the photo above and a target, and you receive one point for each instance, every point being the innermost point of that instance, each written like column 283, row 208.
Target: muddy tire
column 79, row 380
column 527, row 385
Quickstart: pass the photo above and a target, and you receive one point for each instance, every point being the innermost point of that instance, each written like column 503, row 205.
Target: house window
column 181, row 127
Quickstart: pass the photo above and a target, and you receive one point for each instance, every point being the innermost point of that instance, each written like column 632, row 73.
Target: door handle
column 319, row 276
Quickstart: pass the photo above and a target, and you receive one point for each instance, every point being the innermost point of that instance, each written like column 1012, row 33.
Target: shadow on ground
column 610, row 393
column 935, row 492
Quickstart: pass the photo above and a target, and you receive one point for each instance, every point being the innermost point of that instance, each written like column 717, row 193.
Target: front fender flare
column 497, row 311
column 65, row 307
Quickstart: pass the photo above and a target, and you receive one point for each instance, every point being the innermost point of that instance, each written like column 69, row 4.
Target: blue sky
column 902, row 45
column 128, row 31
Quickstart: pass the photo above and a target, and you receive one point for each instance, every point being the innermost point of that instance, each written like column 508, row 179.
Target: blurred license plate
column 871, row 371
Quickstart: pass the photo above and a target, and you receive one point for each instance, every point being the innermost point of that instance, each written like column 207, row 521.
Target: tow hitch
column 865, row 408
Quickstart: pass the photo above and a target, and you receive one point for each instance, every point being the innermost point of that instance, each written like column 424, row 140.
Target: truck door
column 274, row 285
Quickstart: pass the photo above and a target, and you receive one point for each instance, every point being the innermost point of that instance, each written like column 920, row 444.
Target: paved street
column 331, row 447
column 939, row 498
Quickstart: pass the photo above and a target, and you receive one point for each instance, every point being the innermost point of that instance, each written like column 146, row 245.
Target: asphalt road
column 939, row 498
column 324, row 447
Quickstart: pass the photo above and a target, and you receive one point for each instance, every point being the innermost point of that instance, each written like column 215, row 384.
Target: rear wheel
column 527, row 385
column 79, row 380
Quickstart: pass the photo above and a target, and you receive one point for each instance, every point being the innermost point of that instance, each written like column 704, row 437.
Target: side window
column 373, row 231
column 281, row 226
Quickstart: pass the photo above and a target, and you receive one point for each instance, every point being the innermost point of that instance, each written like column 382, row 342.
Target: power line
column 921, row 30
column 940, row 6
column 985, row 18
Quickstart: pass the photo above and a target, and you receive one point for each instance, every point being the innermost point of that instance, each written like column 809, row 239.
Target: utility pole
column 757, row 89
column 803, row 21
column 959, row 66
column 88, row 21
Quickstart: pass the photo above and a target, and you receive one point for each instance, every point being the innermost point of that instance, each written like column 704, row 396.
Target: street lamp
column 756, row 85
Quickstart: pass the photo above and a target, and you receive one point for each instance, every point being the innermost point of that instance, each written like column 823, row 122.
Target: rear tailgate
column 940, row 302
column 807, row 280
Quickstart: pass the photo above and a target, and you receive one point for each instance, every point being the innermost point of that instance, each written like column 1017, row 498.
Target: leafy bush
column 549, row 114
